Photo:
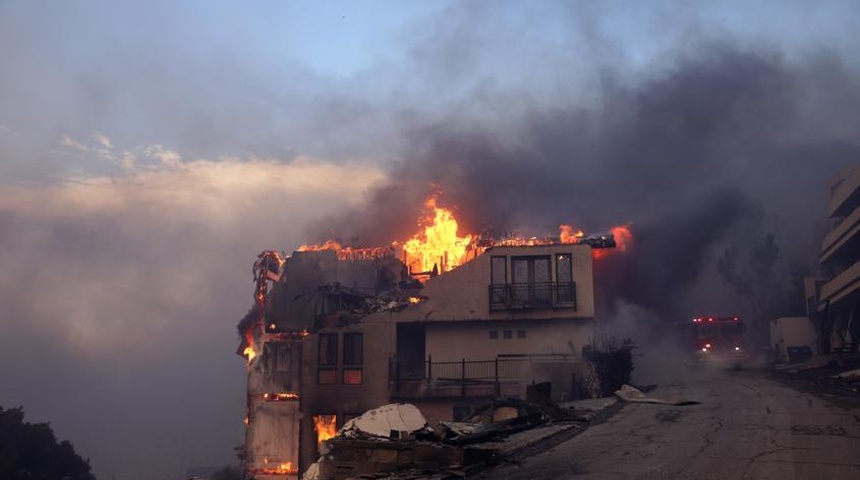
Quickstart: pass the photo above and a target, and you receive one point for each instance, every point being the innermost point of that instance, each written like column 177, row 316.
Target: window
column 494, row 334
column 499, row 270
column 498, row 279
column 327, row 376
column 328, row 349
column 564, row 278
column 563, row 268
column 352, row 376
column 532, row 280
column 521, row 334
column 327, row 359
column 352, row 349
column 507, row 334
column 353, row 358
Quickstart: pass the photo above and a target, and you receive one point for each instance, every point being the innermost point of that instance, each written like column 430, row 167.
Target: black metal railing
column 538, row 295
column 465, row 377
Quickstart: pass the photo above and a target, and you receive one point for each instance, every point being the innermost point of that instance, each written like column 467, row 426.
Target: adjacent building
column 836, row 298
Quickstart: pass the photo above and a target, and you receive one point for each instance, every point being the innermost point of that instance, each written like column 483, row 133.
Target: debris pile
column 634, row 395
column 358, row 302
column 395, row 441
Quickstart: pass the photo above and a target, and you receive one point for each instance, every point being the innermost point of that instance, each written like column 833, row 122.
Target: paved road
column 747, row 427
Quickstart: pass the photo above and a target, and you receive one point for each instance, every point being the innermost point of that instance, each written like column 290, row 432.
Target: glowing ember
column 438, row 245
column 414, row 300
column 279, row 397
column 325, row 426
column 328, row 245
column 281, row 468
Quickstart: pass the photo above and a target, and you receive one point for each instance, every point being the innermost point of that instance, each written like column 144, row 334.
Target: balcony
column 841, row 287
column 505, row 376
column 532, row 296
column 845, row 197
column 842, row 241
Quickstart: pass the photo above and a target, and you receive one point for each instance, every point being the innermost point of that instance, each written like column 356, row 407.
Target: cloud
column 124, row 239
column 68, row 141
column 102, row 140
column 120, row 289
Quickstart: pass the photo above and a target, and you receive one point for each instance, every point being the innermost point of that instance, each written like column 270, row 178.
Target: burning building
column 441, row 321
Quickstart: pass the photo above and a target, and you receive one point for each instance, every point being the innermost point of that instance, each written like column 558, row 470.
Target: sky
column 149, row 151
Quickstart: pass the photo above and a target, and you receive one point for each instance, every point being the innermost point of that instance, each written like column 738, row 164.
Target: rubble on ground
column 808, row 364
column 824, row 374
column 395, row 442
column 396, row 420
column 358, row 302
column 849, row 373
column 634, row 395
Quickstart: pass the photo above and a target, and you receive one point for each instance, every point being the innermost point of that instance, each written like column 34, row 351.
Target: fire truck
column 719, row 341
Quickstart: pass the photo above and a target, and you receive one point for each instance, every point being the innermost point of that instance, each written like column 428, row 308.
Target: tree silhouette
column 29, row 451
column 756, row 280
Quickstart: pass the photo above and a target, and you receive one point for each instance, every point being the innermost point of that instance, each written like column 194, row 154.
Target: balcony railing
column 538, row 295
column 503, row 376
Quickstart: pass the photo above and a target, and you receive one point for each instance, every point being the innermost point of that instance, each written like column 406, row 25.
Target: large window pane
column 353, row 351
column 520, row 270
column 564, row 270
column 541, row 270
column 327, row 376
column 328, row 349
column 499, row 270
column 352, row 376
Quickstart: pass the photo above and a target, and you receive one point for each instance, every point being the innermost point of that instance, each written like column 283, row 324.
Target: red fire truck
column 720, row 341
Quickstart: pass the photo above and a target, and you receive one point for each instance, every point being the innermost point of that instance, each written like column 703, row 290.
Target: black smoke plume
column 691, row 156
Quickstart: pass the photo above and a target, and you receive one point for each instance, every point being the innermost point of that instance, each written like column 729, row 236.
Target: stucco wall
column 450, row 342
column 462, row 294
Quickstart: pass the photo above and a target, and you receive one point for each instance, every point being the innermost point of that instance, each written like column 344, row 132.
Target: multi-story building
column 369, row 333
column 838, row 298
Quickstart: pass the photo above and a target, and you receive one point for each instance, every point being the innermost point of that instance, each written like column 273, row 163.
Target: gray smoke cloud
column 708, row 152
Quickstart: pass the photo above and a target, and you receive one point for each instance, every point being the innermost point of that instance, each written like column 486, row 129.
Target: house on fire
column 344, row 333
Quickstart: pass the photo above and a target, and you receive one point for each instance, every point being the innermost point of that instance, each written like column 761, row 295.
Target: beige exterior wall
column 843, row 190
column 843, row 286
column 446, row 342
column 842, row 237
column 463, row 293
column 340, row 399
column 839, row 299
column 457, row 319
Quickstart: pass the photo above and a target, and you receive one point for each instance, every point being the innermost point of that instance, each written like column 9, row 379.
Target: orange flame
column 328, row 245
column 325, row 426
column 438, row 244
column 249, row 351
column 567, row 234
column 623, row 240
column 280, row 397
column 279, row 469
